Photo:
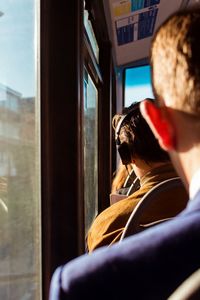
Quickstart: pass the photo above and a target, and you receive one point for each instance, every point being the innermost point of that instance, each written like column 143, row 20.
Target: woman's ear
column 159, row 121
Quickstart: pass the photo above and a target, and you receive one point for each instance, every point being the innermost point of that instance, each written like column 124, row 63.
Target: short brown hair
column 175, row 61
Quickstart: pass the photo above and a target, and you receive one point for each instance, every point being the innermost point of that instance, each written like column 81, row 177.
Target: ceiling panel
column 131, row 25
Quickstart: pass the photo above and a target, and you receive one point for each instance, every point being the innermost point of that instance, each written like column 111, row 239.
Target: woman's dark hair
column 139, row 137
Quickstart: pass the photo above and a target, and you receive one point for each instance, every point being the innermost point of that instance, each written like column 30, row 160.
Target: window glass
column 137, row 84
column 90, row 150
column 19, row 152
column 91, row 35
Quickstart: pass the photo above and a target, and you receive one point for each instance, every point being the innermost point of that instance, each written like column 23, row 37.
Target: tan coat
column 108, row 226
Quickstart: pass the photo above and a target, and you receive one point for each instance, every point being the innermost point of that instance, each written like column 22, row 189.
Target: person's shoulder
column 138, row 257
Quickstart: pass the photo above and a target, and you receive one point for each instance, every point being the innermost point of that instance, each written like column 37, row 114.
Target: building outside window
column 20, row 247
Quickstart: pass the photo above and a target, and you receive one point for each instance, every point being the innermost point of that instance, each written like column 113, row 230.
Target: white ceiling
column 131, row 24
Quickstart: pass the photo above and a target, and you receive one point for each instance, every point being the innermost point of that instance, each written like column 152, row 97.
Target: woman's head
column 135, row 139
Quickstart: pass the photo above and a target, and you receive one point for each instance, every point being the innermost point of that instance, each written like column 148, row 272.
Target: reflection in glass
column 91, row 35
column 90, row 150
column 19, row 148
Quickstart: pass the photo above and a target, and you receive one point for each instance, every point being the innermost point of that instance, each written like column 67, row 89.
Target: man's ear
column 159, row 121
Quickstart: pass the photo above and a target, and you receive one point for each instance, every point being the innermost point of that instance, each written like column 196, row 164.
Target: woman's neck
column 141, row 167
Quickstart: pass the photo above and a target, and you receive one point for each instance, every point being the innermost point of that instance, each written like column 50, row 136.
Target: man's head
column 135, row 139
column 175, row 62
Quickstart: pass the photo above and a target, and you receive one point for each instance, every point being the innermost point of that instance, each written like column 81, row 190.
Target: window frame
column 140, row 63
column 62, row 187
column 62, row 169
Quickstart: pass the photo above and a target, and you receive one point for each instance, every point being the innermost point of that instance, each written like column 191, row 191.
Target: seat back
column 133, row 187
column 131, row 184
column 129, row 179
column 151, row 199
column 189, row 289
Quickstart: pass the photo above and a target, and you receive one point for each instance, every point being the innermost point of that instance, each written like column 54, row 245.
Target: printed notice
column 121, row 8
column 137, row 26
column 140, row 4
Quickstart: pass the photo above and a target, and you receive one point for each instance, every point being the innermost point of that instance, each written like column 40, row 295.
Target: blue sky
column 137, row 84
column 17, row 46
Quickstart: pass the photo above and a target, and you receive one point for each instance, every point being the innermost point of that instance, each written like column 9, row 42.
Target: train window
column 91, row 35
column 19, row 153
column 137, row 84
column 90, row 149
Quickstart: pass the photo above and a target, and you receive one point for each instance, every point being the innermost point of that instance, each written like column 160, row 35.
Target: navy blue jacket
column 148, row 265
